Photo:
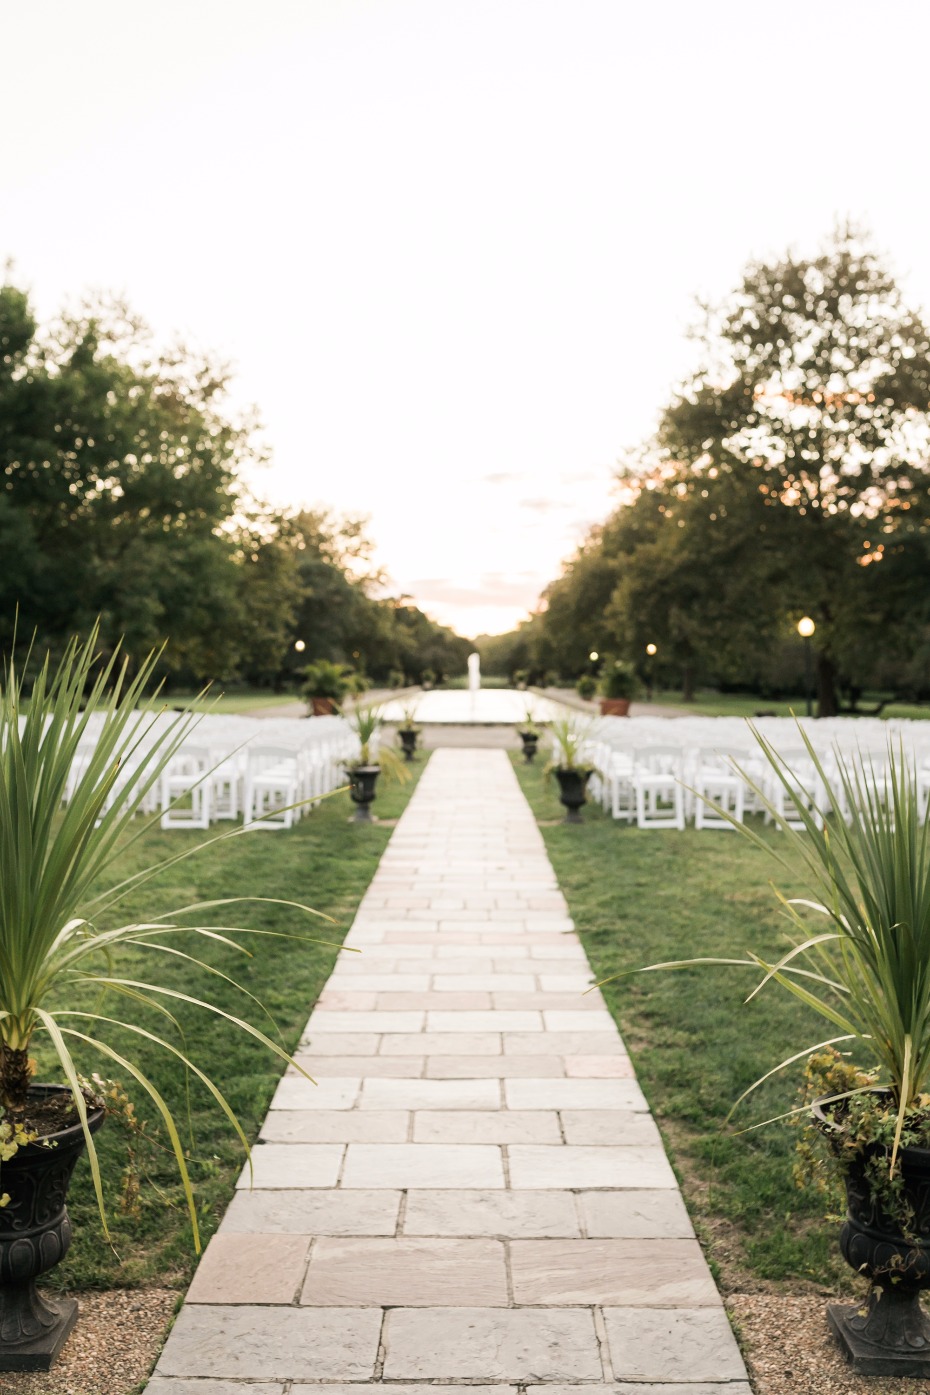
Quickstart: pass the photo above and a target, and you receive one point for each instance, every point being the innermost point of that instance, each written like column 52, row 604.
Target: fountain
column 474, row 673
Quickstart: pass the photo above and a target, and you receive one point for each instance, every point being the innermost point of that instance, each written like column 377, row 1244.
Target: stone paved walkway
column 474, row 1193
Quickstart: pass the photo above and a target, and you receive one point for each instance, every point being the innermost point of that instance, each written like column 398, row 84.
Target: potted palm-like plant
column 586, row 686
column 861, row 960
column 78, row 759
column 619, row 686
column 529, row 733
column 326, row 685
column 568, row 767
column 408, row 731
column 373, row 760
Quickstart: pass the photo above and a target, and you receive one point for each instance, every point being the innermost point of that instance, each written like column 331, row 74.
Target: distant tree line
column 121, row 496
column 789, row 477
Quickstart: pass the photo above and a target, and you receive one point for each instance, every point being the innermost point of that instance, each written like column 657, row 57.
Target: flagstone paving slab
column 486, row 1126
column 672, row 1344
column 210, row 1387
column 240, row 1268
column 619, row 1126
column 336, row 1126
column 625, row 1273
column 563, row 1043
column 293, row 1165
column 635, row 1213
column 409, row 1272
column 532, row 1166
column 313, row 1213
column 574, row 1094
column 503, row 1067
column 513, row 1214
column 638, row 1388
column 443, row 1044
column 261, row 1343
column 297, row 1092
column 599, row 1067
column 423, row 1165
column 430, row 1094
column 474, row 1194
column 491, row 1345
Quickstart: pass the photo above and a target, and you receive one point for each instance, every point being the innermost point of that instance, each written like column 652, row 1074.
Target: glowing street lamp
column 300, row 645
column 594, row 656
column 651, row 650
column 806, row 628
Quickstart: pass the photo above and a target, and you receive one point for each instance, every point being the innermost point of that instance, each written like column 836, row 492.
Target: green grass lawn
column 323, row 862
column 641, row 897
column 234, row 702
column 712, row 704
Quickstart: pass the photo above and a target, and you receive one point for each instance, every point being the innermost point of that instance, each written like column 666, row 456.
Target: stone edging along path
column 474, row 1193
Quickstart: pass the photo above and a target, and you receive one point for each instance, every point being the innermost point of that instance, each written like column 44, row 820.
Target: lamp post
column 806, row 628
column 651, row 650
column 300, row 645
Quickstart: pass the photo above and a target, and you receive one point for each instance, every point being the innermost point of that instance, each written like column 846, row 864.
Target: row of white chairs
column 268, row 773
column 662, row 773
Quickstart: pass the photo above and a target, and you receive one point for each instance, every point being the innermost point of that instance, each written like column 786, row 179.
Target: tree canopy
column 789, row 476
column 122, row 497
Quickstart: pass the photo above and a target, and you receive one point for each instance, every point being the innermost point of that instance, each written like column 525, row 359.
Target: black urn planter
column 35, row 1235
column 889, row 1334
column 408, row 740
column 572, row 791
column 530, row 741
column 362, row 782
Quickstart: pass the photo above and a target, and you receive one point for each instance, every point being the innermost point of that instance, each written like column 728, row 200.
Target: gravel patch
column 789, row 1350
column 111, row 1350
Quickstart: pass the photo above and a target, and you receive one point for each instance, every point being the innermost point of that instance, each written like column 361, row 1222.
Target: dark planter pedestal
column 408, row 740
column 530, row 744
column 572, row 791
column 889, row 1334
column 35, row 1234
column 363, row 779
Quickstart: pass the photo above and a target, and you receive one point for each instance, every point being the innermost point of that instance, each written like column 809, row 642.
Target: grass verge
column 324, row 863
column 241, row 701
column 641, row 897
column 712, row 704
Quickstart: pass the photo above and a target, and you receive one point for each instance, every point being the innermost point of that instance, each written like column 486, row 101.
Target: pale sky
column 451, row 246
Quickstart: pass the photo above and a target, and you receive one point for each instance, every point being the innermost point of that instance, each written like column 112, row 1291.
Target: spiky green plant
column 57, row 845
column 366, row 722
column 569, row 739
column 867, row 861
column 409, row 720
column 528, row 726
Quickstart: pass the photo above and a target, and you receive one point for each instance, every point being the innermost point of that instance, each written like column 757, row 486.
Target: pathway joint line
column 528, row 1231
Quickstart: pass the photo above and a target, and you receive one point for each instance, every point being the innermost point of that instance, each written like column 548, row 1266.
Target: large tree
column 118, row 488
column 813, row 396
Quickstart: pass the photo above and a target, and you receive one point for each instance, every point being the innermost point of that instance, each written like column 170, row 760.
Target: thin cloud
column 544, row 505
column 501, row 477
column 493, row 589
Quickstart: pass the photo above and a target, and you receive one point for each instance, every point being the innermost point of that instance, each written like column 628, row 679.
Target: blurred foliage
column 121, row 496
column 789, row 476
